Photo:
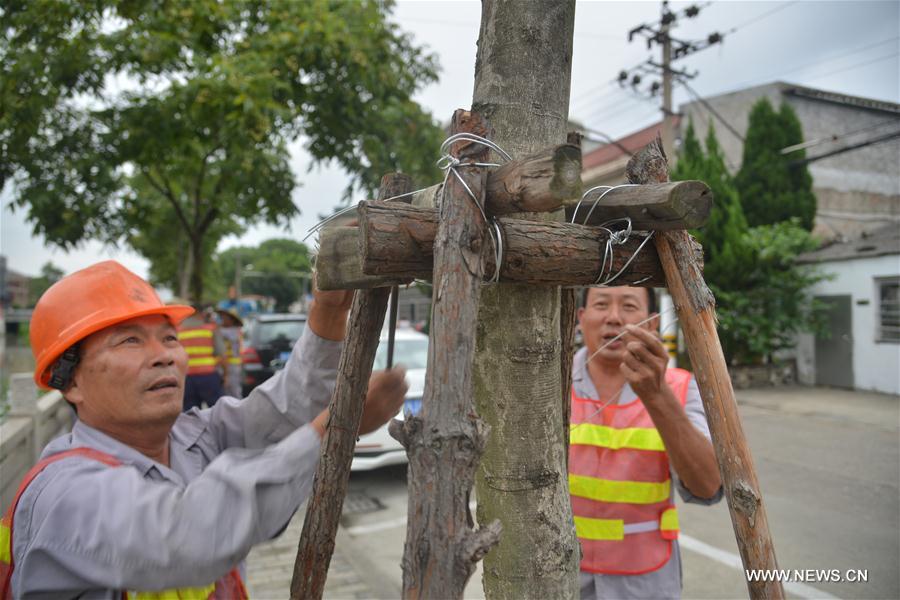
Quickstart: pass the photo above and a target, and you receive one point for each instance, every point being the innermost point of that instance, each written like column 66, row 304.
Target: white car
column 379, row 449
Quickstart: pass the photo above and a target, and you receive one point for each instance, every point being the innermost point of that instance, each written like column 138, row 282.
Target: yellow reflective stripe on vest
column 202, row 362
column 635, row 438
column 626, row 492
column 5, row 544
column 599, row 529
column 236, row 360
column 191, row 334
column 669, row 520
column 208, row 350
column 198, row 593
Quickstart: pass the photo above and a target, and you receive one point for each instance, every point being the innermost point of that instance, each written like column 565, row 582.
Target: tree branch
column 167, row 193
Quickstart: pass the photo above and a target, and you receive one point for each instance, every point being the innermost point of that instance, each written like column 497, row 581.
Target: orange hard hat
column 86, row 302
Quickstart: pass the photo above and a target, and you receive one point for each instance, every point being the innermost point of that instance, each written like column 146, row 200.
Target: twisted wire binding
column 616, row 238
column 450, row 164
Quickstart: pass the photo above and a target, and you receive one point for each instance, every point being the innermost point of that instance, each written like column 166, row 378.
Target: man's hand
column 384, row 400
column 328, row 313
column 644, row 364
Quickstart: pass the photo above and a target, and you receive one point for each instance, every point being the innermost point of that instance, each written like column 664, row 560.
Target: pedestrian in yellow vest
column 638, row 433
column 141, row 500
column 232, row 339
column 206, row 355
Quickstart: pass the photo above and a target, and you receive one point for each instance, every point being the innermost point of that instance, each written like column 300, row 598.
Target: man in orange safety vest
column 638, row 432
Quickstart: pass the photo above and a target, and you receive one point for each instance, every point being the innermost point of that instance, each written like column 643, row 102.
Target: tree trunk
column 197, row 267
column 522, row 77
column 185, row 272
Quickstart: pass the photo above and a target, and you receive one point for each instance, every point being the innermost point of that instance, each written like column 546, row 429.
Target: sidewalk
column 271, row 565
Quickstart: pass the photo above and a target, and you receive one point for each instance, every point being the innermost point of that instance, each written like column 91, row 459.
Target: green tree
column 761, row 311
column 723, row 252
column 279, row 268
column 762, row 297
column 773, row 186
column 50, row 274
column 124, row 120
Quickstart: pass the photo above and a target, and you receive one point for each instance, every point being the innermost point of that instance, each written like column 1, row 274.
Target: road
column 829, row 467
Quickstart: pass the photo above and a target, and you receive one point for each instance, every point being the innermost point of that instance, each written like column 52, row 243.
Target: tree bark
column 397, row 242
column 446, row 441
column 696, row 313
column 323, row 511
column 522, row 79
column 655, row 206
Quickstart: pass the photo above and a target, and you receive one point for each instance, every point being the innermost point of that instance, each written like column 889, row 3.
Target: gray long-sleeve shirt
column 665, row 582
column 238, row 472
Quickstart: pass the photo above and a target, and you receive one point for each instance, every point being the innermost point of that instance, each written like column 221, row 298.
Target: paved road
column 829, row 467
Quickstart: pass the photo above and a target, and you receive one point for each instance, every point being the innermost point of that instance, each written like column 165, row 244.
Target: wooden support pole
column 323, row 511
column 445, row 443
column 540, row 182
column 397, row 242
column 696, row 313
column 339, row 263
column 655, row 206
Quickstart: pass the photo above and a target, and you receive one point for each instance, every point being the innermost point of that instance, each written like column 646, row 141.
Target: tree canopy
column 279, row 268
column 166, row 125
column 775, row 187
column 762, row 295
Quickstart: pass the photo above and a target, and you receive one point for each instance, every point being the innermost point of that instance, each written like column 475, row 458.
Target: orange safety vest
column 198, row 342
column 620, row 485
column 229, row 587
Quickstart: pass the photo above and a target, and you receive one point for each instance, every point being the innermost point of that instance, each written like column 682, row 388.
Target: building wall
column 857, row 191
column 876, row 365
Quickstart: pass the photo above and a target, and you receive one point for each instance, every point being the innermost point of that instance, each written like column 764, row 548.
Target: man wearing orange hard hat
column 140, row 497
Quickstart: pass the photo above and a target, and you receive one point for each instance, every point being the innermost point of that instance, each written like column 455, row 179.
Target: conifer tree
column 774, row 187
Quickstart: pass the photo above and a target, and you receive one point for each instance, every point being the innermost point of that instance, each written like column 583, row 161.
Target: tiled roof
column 632, row 142
column 880, row 242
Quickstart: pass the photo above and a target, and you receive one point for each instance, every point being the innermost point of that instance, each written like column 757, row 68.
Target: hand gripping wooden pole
column 696, row 312
column 345, row 411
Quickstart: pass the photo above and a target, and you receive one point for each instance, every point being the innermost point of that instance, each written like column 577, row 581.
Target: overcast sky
column 843, row 46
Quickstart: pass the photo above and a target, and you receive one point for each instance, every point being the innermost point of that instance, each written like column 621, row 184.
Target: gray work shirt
column 665, row 582
column 239, row 471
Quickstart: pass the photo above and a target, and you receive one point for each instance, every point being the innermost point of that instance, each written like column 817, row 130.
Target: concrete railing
column 31, row 423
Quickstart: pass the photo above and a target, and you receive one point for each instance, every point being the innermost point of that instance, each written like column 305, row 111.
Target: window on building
column 888, row 309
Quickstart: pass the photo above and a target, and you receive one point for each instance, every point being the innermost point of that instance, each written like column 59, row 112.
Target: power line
column 818, row 62
column 856, row 66
column 838, row 136
column 761, row 17
column 711, row 110
column 878, row 140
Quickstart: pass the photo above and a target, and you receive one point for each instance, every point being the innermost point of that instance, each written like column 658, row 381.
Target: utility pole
column 668, row 129
column 672, row 49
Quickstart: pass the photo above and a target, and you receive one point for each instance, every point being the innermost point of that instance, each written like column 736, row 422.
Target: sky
column 852, row 47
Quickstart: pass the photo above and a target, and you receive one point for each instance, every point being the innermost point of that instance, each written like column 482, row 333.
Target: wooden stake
column 696, row 313
column 397, row 242
column 323, row 511
column 445, row 443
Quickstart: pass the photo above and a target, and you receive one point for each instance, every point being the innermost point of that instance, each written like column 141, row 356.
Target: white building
column 863, row 349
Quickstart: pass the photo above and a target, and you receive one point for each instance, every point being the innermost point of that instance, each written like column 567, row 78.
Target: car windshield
column 272, row 330
column 412, row 354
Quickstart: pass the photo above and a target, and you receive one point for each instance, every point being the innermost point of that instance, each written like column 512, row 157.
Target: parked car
column 379, row 449
column 268, row 339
